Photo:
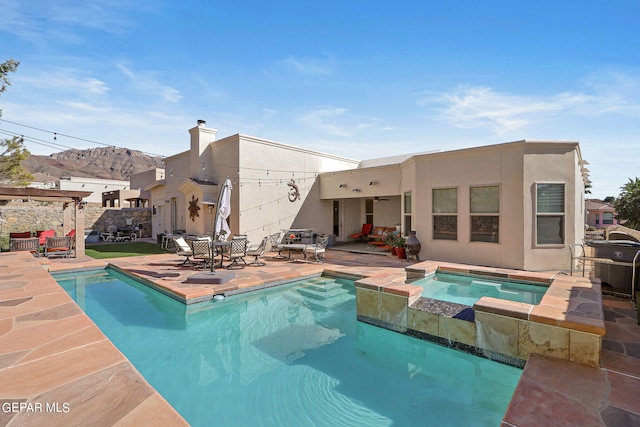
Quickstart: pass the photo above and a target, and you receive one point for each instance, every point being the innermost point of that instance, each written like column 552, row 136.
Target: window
column 484, row 204
column 550, row 214
column 445, row 213
column 407, row 213
column 368, row 207
column 607, row 218
column 154, row 210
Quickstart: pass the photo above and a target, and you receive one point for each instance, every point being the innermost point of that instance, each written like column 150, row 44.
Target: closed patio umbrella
column 223, row 211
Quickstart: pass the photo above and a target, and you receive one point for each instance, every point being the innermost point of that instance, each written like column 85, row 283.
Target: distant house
column 514, row 205
column 600, row 214
column 95, row 185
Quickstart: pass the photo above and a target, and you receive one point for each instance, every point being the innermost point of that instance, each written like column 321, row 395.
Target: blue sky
column 361, row 79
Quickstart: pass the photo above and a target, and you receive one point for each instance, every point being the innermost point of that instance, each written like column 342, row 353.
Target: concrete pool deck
column 51, row 353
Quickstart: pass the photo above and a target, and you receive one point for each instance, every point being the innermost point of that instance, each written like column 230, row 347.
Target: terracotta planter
column 393, row 250
column 402, row 254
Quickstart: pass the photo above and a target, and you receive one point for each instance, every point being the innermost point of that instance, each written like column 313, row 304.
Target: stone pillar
column 79, row 226
column 67, row 215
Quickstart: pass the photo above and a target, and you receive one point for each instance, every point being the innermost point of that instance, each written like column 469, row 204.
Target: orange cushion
column 57, row 249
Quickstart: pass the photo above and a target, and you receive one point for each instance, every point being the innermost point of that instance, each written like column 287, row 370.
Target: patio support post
column 67, row 216
column 79, row 226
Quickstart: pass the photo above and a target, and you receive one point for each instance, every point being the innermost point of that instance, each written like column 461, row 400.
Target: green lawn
column 118, row 250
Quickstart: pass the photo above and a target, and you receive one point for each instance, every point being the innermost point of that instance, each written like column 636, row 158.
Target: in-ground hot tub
column 566, row 323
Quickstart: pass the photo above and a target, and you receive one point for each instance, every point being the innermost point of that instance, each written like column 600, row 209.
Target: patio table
column 295, row 247
column 222, row 245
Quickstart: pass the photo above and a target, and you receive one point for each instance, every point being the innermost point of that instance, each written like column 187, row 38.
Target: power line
column 56, row 134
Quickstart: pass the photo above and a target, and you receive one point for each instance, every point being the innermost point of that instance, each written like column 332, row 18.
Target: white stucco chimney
column 201, row 138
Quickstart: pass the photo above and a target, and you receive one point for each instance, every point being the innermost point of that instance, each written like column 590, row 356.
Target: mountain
column 103, row 162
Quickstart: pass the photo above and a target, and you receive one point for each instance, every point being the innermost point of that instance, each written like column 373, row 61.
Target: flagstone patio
column 52, row 354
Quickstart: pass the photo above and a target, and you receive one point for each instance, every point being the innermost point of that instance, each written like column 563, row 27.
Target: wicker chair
column 237, row 251
column 30, row 244
column 58, row 246
column 201, row 250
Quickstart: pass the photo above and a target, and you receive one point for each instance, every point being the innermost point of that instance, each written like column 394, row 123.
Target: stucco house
column 514, row 205
column 275, row 186
column 600, row 214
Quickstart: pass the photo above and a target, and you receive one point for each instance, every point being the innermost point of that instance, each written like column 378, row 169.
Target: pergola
column 71, row 200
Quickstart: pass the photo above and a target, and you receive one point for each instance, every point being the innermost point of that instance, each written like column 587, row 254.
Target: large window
column 445, row 213
column 550, row 214
column 484, row 203
column 407, row 213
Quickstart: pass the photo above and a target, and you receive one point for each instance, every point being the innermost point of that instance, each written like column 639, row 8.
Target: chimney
column 201, row 138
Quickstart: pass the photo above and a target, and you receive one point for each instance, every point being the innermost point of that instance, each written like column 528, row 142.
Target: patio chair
column 319, row 248
column 275, row 243
column 57, row 246
column 30, row 244
column 237, row 251
column 43, row 235
column 257, row 252
column 364, row 232
column 183, row 249
column 201, row 250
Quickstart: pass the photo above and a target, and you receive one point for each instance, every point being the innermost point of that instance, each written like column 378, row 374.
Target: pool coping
column 570, row 302
column 568, row 323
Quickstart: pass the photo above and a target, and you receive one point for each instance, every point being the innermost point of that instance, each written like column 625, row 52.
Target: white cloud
column 339, row 121
column 64, row 79
column 146, row 82
column 478, row 106
column 469, row 107
column 309, row 66
column 63, row 20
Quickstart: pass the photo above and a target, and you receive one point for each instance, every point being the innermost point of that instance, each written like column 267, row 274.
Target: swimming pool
column 468, row 289
column 292, row 356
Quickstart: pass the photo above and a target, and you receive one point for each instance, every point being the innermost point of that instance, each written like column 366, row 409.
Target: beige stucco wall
column 494, row 165
column 556, row 163
column 265, row 170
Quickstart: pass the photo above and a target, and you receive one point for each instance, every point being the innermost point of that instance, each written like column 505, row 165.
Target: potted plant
column 392, row 240
column 400, row 250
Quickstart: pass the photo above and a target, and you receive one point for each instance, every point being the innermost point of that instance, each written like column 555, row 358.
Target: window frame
column 473, row 215
column 561, row 215
column 407, row 212
column 437, row 216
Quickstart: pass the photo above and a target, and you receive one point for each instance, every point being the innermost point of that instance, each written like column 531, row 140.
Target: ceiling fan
column 380, row 199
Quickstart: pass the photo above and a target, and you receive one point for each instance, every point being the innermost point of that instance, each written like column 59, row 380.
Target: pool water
column 289, row 356
column 468, row 290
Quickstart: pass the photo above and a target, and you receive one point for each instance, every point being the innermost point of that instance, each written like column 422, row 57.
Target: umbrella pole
column 214, row 233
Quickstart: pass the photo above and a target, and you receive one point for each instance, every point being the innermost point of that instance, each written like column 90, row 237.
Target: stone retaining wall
column 19, row 216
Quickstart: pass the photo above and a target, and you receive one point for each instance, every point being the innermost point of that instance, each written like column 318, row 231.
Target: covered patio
column 72, row 208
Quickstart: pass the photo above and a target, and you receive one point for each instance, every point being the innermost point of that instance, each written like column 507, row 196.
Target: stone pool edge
column 567, row 324
column 54, row 357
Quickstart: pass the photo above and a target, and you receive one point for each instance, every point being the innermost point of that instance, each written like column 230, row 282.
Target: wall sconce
column 342, row 185
column 373, row 182
column 356, row 190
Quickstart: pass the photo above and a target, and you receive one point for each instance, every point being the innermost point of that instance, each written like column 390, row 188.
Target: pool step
column 321, row 304
column 324, row 306
column 322, row 294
